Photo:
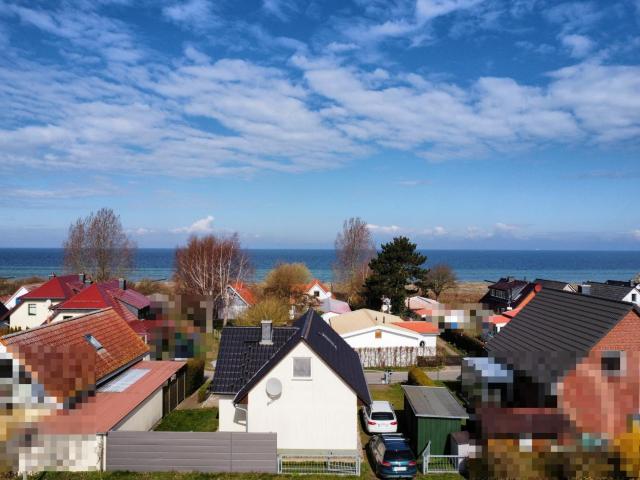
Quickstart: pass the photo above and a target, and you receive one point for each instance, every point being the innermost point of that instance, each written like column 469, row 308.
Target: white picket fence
column 393, row 356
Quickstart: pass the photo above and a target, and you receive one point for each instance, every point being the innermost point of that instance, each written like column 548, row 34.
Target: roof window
column 93, row 341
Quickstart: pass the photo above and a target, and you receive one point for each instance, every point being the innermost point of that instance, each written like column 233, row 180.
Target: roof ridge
column 595, row 297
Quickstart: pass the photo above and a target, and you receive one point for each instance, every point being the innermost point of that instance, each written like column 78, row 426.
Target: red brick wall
column 600, row 404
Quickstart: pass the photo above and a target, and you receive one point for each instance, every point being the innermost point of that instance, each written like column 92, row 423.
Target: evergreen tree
column 397, row 265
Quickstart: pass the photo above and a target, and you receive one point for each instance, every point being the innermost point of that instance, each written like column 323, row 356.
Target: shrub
column 465, row 342
column 418, row 377
column 195, row 374
column 203, row 391
column 270, row 308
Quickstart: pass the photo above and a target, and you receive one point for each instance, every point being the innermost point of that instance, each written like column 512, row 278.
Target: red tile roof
column 419, row 327
column 59, row 356
column 107, row 409
column 133, row 298
column 245, row 293
column 56, row 288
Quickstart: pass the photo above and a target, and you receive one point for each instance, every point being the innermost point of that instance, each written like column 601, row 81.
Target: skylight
column 124, row 381
column 93, row 341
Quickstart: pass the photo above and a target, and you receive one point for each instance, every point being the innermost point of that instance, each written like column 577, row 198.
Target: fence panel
column 191, row 452
column 393, row 356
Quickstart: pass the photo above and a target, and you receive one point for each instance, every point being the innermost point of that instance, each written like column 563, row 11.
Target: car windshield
column 382, row 416
column 398, row 455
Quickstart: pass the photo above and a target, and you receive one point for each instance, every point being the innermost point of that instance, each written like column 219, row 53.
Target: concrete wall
column 231, row 419
column 145, row 416
column 21, row 318
column 315, row 413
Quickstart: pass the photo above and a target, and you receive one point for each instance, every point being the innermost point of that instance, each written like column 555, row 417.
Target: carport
column 431, row 414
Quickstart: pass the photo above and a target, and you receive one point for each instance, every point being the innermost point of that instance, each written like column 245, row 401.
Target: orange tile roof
column 245, row 293
column 423, row 311
column 62, row 360
column 419, row 327
column 107, row 409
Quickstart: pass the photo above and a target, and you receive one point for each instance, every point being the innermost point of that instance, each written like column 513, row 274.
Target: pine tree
column 397, row 265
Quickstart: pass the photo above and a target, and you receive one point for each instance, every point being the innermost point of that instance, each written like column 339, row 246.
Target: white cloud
column 204, row 225
column 427, row 10
column 191, row 13
column 281, row 9
column 579, row 46
column 383, row 228
column 141, row 231
column 636, row 234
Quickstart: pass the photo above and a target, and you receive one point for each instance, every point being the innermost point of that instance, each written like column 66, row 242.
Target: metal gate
column 191, row 452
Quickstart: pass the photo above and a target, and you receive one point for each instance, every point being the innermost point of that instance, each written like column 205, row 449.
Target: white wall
column 13, row 299
column 322, row 295
column 629, row 297
column 68, row 313
column 145, row 416
column 389, row 337
column 21, row 318
column 230, row 418
column 319, row 413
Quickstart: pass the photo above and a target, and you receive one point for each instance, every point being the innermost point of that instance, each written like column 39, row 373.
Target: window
column 301, row 367
column 32, row 308
column 67, row 317
column 93, row 341
column 634, row 297
column 316, row 293
column 382, row 416
column 378, row 333
column 612, row 362
column 6, row 368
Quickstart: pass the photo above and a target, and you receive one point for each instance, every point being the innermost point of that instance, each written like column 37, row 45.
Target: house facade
column 566, row 368
column 505, row 294
column 239, row 299
column 613, row 291
column 36, row 306
column 302, row 382
column 81, row 378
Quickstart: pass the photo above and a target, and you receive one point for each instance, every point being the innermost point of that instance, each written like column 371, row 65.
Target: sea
column 469, row 265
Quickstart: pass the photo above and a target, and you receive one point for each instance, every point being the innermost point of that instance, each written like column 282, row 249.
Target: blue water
column 470, row 265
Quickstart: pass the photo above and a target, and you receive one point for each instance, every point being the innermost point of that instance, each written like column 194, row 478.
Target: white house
column 612, row 291
column 12, row 301
column 36, row 306
column 316, row 289
column 302, row 382
column 107, row 385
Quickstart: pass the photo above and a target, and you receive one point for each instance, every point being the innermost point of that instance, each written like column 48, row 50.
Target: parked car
column 379, row 417
column 392, row 456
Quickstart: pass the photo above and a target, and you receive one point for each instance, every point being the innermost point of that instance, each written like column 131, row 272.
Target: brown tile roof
column 61, row 358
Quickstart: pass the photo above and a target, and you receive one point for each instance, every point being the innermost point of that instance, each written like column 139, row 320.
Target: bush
column 195, row 374
column 203, row 391
column 418, row 377
column 464, row 342
column 269, row 308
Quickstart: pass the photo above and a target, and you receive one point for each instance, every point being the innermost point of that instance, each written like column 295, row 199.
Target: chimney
column 585, row 289
column 122, row 284
column 81, row 277
column 267, row 332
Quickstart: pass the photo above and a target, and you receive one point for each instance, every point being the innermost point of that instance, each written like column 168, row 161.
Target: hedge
column 467, row 343
column 203, row 391
column 418, row 377
column 194, row 375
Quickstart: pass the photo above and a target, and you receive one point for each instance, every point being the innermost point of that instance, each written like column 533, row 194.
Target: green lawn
column 196, row 420
column 391, row 393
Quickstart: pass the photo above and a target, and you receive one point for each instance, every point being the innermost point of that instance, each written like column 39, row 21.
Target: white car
column 379, row 417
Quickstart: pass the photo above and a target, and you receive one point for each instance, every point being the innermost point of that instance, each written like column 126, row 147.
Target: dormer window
column 93, row 341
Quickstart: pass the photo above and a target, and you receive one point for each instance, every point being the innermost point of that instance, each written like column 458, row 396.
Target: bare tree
column 98, row 245
column 354, row 250
column 440, row 278
column 208, row 265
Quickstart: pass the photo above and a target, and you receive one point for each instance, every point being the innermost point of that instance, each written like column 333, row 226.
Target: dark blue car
column 392, row 456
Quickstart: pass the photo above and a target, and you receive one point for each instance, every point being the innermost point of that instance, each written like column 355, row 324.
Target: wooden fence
column 191, row 452
column 393, row 356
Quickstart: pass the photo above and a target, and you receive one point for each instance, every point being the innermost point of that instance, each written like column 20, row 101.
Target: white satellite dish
column 274, row 387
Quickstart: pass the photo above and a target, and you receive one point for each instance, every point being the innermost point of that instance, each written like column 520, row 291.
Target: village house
column 35, row 307
column 315, row 289
column 302, row 382
column 565, row 368
column 12, row 300
column 555, row 284
column 505, row 294
column 79, row 379
column 499, row 321
column 614, row 291
column 239, row 299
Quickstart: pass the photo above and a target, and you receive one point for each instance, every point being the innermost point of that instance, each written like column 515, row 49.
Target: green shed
column 431, row 414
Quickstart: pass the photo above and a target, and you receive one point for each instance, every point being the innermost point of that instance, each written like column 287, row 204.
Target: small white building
column 317, row 289
column 13, row 299
column 302, row 382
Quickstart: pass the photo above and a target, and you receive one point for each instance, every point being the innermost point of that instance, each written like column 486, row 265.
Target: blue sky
column 460, row 123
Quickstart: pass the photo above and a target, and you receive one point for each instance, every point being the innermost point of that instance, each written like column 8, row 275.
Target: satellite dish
column 274, row 387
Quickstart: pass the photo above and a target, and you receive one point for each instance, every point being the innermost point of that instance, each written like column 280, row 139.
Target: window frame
column 35, row 308
column 620, row 355
column 300, row 377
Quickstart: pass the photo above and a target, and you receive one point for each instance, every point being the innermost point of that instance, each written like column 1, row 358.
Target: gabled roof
column 243, row 291
column 508, row 283
column 555, row 284
column 419, row 327
column 309, row 328
column 61, row 358
column 56, row 288
column 554, row 331
column 605, row 290
column 133, row 298
column 313, row 283
column 435, row 402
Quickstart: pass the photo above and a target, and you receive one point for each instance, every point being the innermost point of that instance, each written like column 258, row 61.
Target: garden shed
column 431, row 415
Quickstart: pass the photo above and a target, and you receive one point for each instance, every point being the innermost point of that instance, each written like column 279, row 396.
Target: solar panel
column 124, row 381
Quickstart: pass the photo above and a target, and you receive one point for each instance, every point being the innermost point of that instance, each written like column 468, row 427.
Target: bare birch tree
column 98, row 245
column 208, row 265
column 354, row 250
